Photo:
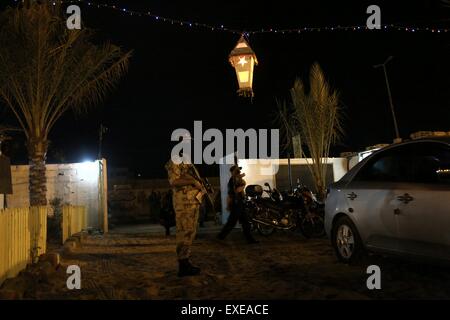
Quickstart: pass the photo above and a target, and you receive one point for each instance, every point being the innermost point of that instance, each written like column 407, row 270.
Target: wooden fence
column 74, row 220
column 23, row 238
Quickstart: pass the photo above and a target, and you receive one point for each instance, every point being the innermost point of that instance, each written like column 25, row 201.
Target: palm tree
column 47, row 69
column 315, row 119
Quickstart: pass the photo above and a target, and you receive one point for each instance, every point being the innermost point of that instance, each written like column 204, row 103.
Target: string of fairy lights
column 223, row 28
column 242, row 57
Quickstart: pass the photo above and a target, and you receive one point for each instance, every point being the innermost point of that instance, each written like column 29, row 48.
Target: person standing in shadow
column 235, row 202
column 167, row 213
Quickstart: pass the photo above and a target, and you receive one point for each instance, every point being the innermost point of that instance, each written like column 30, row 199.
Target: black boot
column 187, row 269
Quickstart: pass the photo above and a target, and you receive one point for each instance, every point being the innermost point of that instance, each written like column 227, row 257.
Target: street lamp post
column 397, row 134
column 101, row 132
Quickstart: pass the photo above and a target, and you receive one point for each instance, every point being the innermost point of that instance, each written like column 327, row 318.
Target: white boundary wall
column 76, row 184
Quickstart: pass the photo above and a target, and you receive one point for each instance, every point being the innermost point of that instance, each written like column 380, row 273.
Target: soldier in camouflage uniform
column 186, row 197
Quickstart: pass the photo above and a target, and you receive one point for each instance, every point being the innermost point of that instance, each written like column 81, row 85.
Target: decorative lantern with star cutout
column 243, row 59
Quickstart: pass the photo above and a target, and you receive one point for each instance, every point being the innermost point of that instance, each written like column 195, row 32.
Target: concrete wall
column 129, row 198
column 75, row 184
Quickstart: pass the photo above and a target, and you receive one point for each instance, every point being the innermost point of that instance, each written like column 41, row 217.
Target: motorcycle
column 313, row 220
column 288, row 211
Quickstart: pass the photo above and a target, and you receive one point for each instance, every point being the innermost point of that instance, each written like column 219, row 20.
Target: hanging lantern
column 243, row 59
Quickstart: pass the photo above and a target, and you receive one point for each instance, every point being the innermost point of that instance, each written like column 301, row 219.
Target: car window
column 431, row 165
column 389, row 168
column 417, row 163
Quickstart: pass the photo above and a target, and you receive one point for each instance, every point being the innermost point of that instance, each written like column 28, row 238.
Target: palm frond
column 318, row 119
column 47, row 69
column 283, row 119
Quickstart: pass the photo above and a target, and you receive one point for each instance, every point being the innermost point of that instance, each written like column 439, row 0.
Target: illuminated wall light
column 88, row 171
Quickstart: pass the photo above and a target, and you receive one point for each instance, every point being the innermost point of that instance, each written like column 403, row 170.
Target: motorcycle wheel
column 312, row 226
column 264, row 230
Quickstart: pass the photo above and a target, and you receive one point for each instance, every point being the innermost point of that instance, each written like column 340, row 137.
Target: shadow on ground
column 283, row 266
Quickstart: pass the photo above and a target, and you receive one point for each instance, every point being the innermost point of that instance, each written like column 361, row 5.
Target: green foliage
column 47, row 69
column 316, row 117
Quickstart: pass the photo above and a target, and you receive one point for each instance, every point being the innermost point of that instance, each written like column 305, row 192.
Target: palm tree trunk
column 37, row 151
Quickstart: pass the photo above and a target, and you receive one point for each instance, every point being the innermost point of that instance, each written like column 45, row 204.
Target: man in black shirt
column 236, row 206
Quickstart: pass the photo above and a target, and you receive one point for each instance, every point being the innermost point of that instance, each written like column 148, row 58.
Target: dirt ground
column 282, row 266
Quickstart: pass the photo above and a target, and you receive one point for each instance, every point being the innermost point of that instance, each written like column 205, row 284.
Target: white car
column 397, row 201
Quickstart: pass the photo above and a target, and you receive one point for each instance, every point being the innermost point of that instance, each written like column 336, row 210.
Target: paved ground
column 125, row 265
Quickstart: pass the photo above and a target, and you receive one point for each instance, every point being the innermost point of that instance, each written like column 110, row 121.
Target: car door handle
column 406, row 198
column 352, row 196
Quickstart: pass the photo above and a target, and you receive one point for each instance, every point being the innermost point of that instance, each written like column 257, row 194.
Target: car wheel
column 346, row 241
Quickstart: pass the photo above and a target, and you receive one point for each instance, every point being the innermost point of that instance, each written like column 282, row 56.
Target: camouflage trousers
column 186, row 224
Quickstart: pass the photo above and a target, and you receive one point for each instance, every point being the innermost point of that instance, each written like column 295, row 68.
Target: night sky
column 179, row 74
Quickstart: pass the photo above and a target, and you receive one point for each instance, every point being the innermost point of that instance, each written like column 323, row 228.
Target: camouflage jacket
column 186, row 194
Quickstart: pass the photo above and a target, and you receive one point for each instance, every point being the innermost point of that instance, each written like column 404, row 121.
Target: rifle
column 207, row 189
